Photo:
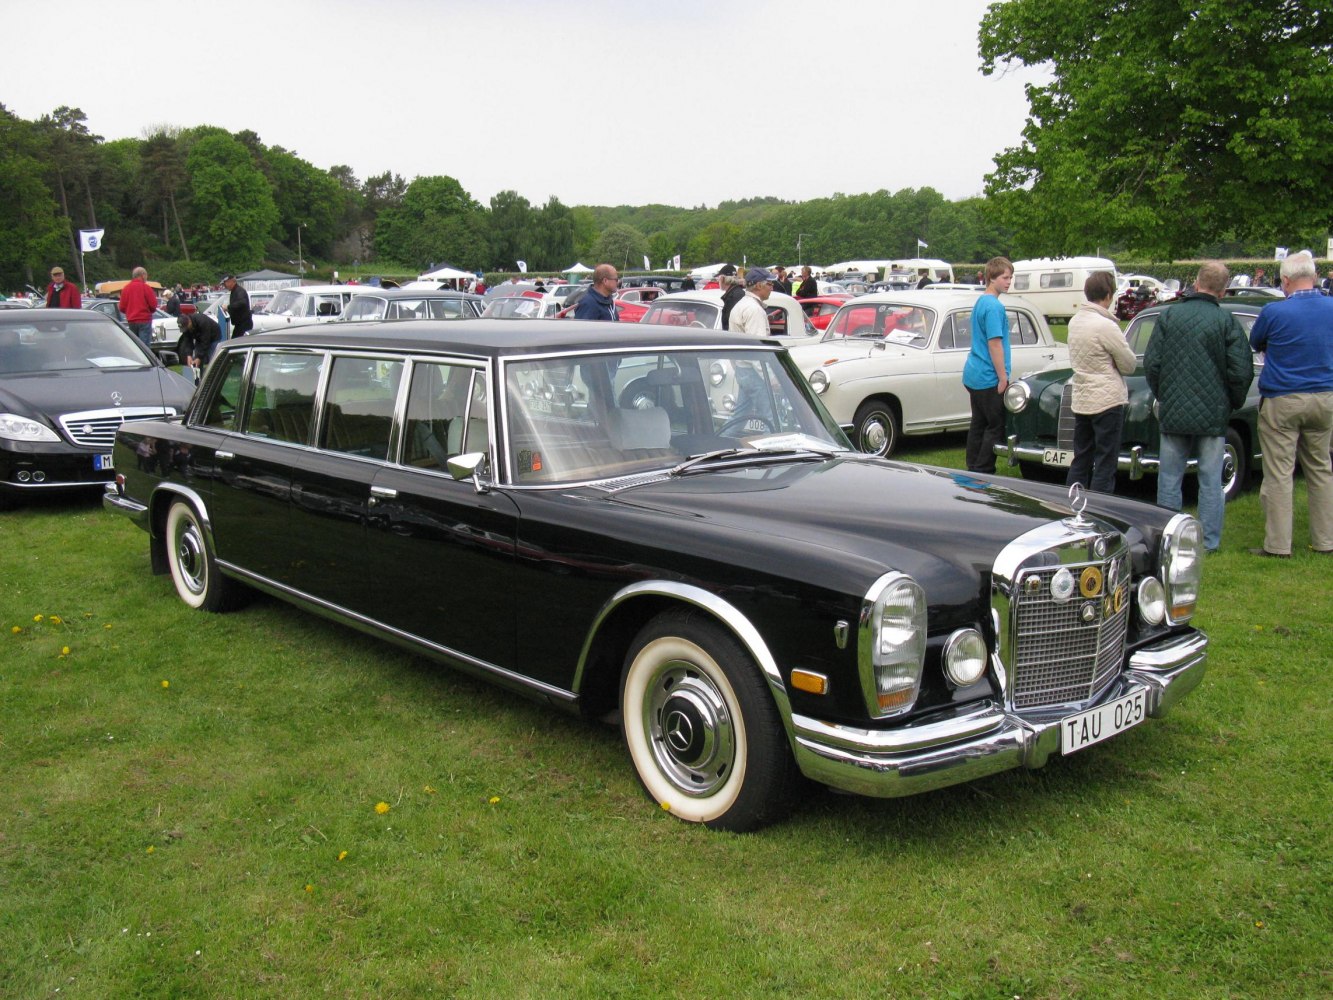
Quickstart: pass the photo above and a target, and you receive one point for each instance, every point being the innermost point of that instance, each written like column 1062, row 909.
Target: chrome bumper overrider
column 116, row 502
column 969, row 742
column 1132, row 461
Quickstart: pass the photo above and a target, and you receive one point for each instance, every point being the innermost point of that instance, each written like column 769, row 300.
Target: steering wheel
column 747, row 423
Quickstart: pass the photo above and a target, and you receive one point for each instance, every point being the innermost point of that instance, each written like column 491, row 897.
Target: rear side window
column 282, row 403
column 446, row 414
column 225, row 407
column 359, row 405
column 1021, row 329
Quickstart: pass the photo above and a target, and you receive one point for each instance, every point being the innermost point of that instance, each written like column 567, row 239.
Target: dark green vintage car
column 1040, row 424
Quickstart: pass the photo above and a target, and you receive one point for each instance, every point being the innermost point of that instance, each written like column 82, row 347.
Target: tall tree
column 512, row 230
column 32, row 234
column 412, row 232
column 164, row 169
column 621, row 245
column 554, row 235
column 232, row 210
column 1165, row 123
column 72, row 151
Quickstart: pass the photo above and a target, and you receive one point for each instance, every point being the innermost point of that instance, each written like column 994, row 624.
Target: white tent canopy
column 578, row 268
column 707, row 271
column 445, row 274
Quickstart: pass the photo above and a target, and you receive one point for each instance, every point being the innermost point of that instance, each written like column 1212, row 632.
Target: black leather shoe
column 1270, row 555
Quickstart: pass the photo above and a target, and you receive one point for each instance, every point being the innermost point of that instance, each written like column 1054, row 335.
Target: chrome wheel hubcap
column 690, row 729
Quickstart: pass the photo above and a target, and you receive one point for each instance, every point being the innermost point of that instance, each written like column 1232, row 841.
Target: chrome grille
column 1062, row 657
column 1064, row 430
column 97, row 428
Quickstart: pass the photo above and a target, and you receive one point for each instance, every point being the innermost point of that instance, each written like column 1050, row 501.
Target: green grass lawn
column 192, row 811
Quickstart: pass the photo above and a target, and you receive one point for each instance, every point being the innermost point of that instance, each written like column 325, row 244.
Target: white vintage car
column 786, row 319
column 891, row 363
column 303, row 305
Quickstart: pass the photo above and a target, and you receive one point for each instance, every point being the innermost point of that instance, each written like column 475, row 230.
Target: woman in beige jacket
column 1101, row 359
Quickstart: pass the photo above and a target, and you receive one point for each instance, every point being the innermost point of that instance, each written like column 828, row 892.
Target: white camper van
column 1055, row 284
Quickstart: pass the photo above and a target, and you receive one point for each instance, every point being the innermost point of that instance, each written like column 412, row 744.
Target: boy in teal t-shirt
column 986, row 371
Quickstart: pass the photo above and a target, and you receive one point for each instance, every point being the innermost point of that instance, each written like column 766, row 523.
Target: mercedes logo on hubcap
column 679, row 731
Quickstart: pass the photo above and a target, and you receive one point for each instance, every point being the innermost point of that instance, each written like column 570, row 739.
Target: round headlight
column 717, row 371
column 818, row 381
column 1152, row 600
column 965, row 657
column 1062, row 585
column 728, row 402
column 1016, row 397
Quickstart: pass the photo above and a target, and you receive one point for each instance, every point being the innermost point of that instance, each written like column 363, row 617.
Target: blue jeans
column 1174, row 453
column 144, row 331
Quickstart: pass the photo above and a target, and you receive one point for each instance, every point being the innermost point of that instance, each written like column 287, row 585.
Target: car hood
column 809, row 357
column 54, row 393
column 849, row 520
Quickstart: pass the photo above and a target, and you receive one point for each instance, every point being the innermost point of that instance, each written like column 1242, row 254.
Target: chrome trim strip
column 468, row 664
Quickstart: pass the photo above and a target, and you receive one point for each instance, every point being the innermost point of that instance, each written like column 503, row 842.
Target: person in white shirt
column 749, row 314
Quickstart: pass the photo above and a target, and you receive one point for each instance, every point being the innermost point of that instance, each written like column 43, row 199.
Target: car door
column 1031, row 347
column 441, row 553
column 253, row 467
column 953, row 405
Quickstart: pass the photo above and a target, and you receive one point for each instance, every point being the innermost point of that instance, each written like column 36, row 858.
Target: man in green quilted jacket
column 1199, row 366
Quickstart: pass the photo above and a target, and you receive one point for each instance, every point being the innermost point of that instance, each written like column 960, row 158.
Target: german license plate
column 1057, row 456
column 1095, row 725
column 103, row 462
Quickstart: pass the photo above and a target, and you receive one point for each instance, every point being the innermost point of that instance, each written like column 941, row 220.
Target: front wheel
column 878, row 429
column 193, row 569
column 701, row 727
column 1235, row 465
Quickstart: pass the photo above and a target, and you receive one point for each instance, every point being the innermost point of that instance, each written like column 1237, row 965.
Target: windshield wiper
column 749, row 454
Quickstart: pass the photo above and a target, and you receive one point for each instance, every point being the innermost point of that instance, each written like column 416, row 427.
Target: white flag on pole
column 646, row 265
column 522, row 266
column 922, row 244
column 90, row 240
column 675, row 263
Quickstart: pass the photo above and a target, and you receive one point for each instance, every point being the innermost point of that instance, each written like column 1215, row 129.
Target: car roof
column 495, row 338
column 1249, row 304
column 416, row 293
column 320, row 288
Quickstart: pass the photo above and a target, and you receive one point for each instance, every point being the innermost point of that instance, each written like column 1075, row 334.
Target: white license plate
column 1095, row 725
column 1057, row 456
column 103, row 462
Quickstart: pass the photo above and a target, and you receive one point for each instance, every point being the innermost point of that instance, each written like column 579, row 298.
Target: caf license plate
column 1057, row 456
column 103, row 462
column 1095, row 725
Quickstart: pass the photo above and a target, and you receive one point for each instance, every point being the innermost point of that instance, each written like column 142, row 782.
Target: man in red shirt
column 138, row 303
column 62, row 294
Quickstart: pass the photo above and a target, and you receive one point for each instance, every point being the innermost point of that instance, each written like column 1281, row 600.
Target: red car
column 821, row 308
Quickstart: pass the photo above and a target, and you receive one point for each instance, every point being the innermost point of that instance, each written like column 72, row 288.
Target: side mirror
column 472, row 465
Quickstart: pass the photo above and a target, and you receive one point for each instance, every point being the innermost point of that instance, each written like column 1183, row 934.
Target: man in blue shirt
column 598, row 303
column 1296, row 409
column 986, row 371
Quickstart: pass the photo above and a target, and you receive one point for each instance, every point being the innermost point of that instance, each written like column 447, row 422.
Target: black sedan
column 1040, row 422
column 68, row 379
column 664, row 527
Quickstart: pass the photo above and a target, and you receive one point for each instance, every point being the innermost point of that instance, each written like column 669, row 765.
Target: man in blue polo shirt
column 986, row 371
column 1296, row 409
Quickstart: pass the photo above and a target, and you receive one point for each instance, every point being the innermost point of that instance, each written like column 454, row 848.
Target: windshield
column 907, row 326
column 287, row 302
column 590, row 417
column 67, row 345
column 696, row 314
column 365, row 307
column 514, row 307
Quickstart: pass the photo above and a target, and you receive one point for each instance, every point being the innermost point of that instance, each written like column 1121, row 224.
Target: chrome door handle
column 378, row 493
column 224, row 456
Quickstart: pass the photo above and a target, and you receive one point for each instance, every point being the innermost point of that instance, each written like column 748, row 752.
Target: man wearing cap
column 598, row 302
column 138, row 303
column 749, row 315
column 199, row 335
column 62, row 294
column 238, row 307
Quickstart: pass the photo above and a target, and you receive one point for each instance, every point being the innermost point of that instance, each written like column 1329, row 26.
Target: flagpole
column 83, row 275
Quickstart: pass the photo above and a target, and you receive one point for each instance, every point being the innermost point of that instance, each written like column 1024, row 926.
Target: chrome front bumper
column 1132, row 461
column 967, row 743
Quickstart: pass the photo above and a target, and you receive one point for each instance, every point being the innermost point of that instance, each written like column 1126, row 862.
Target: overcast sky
column 682, row 102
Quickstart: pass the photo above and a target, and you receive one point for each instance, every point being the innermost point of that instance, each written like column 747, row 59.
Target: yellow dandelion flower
column 341, row 855
column 309, row 887
column 428, row 790
column 64, row 651
column 666, row 806
column 107, row 625
column 16, row 629
column 36, row 618
column 56, row 619
column 382, row 807
column 151, row 849
column 166, row 684
column 493, row 799
column 1258, row 923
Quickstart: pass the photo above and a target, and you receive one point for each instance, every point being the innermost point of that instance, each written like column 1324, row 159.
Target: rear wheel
column 701, row 727
column 194, row 571
column 878, row 428
column 1235, row 465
